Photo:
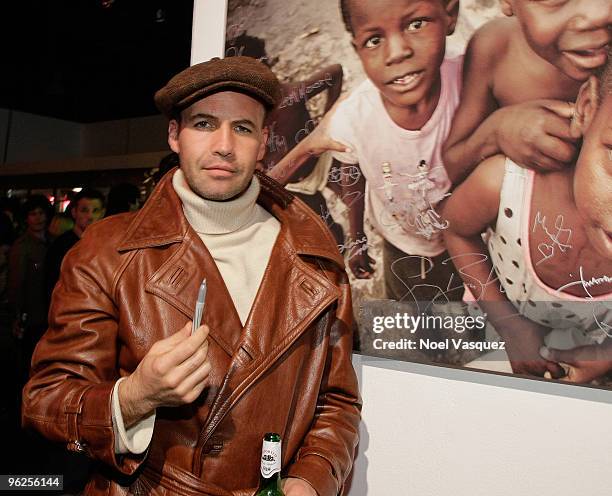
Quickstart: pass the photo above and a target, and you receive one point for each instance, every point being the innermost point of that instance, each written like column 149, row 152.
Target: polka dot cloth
column 574, row 321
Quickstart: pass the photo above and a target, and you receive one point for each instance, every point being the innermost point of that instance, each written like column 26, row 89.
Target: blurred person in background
column 26, row 290
column 86, row 208
column 60, row 223
column 124, row 197
column 7, row 236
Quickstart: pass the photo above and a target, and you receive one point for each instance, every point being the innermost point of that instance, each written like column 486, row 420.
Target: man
column 190, row 410
column 86, row 208
column 26, row 293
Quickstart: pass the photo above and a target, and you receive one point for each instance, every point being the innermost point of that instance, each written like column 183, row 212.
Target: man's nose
column 398, row 48
column 223, row 144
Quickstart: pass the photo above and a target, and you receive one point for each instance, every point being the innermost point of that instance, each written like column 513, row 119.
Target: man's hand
column 172, row 373
column 585, row 363
column 297, row 487
column 537, row 134
column 523, row 342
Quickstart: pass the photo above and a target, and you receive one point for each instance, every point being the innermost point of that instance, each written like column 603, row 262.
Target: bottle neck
column 270, row 465
column 270, row 483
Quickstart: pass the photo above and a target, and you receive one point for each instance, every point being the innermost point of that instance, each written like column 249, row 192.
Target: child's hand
column 318, row 141
column 584, row 363
column 537, row 134
column 524, row 339
column 361, row 265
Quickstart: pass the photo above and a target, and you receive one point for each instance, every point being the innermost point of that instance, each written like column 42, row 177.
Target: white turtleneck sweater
column 240, row 235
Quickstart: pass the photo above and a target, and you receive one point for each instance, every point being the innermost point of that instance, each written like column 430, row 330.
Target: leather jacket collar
column 161, row 221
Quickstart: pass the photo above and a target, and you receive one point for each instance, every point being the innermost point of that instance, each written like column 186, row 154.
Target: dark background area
column 91, row 60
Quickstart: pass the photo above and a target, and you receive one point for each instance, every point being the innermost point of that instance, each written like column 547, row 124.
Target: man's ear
column 452, row 9
column 265, row 132
column 506, row 7
column 586, row 107
column 173, row 132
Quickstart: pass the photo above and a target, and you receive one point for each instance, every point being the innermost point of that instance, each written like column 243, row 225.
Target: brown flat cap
column 244, row 74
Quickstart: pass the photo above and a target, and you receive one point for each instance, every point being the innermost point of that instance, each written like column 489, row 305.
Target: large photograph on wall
column 461, row 157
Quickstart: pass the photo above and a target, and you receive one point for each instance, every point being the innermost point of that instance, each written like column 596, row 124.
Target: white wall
column 434, row 431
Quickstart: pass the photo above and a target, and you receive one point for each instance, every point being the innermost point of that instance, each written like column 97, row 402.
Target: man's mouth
column 221, row 168
column 589, row 58
column 407, row 81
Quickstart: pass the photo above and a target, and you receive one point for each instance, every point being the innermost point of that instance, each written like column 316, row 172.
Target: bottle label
column 270, row 458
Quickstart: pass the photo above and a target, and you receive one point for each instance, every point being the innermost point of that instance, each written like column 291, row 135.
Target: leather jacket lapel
column 295, row 295
column 177, row 282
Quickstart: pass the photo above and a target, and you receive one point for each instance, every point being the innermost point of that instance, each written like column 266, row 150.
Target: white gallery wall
column 435, row 431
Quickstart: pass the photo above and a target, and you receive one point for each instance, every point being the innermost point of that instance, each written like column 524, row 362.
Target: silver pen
column 199, row 308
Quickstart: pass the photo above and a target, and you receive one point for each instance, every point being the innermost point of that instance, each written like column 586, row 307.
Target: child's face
column 401, row 44
column 570, row 34
column 593, row 180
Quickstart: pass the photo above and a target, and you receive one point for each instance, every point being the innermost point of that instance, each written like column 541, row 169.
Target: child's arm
column 353, row 196
column 317, row 142
column 535, row 134
column 472, row 136
column 470, row 210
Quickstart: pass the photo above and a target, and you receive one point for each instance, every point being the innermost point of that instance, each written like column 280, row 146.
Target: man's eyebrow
column 244, row 121
column 201, row 115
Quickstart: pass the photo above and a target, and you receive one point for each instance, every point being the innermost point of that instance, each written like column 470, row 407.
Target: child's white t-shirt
column 405, row 177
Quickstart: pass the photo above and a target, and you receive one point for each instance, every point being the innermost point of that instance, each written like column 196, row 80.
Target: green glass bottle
column 270, row 478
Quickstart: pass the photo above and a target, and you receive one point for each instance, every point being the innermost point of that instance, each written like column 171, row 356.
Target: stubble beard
column 221, row 196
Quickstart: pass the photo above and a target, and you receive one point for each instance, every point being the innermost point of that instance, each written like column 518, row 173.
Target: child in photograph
column 525, row 69
column 550, row 246
column 291, row 123
column 394, row 124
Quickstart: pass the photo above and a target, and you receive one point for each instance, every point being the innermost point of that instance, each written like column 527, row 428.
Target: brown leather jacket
column 133, row 280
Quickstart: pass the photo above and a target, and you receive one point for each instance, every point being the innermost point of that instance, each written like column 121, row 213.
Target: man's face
column 593, row 180
column 36, row 220
column 87, row 211
column 401, row 44
column 572, row 35
column 219, row 141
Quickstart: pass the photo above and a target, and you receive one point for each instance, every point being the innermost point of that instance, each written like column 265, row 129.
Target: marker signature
column 586, row 285
column 354, row 248
column 301, row 91
column 559, row 239
column 348, row 175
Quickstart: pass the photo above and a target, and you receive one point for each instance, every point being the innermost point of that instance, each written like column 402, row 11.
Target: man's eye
column 372, row 42
column 243, row 129
column 416, row 25
column 203, row 125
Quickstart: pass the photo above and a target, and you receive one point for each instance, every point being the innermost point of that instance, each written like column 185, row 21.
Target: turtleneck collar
column 216, row 217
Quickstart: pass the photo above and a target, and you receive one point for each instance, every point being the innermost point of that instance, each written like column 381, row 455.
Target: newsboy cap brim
column 244, row 74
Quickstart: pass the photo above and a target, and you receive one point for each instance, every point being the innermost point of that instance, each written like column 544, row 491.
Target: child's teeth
column 406, row 79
